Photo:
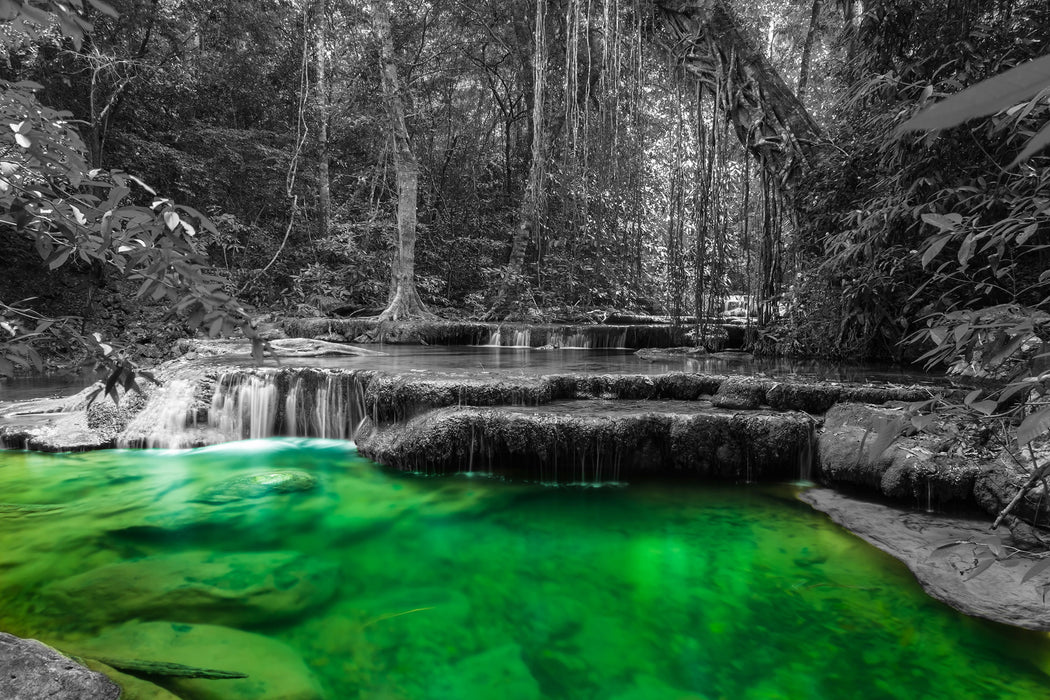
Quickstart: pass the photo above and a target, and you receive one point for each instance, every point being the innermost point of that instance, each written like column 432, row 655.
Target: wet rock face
column 861, row 445
column 197, row 586
column 741, row 393
column 996, row 486
column 600, row 440
column 30, row 670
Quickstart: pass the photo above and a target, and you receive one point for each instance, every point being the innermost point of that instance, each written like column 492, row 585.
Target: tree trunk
column 768, row 118
column 404, row 300
column 807, row 51
column 531, row 213
column 324, row 189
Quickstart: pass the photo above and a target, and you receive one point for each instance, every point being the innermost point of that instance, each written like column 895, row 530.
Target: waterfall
column 495, row 338
column 165, row 419
column 244, row 406
column 571, row 338
column 513, row 338
column 807, row 454
column 305, row 403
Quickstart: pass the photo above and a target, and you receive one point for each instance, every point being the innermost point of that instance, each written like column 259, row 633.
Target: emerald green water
column 388, row 586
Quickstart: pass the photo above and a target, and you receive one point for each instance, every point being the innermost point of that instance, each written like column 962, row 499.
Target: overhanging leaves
column 984, row 98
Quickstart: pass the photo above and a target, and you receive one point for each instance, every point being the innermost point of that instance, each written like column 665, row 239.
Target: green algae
column 473, row 588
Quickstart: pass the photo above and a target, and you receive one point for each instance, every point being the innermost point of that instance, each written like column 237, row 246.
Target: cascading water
column 164, row 420
column 250, row 404
column 308, row 404
column 510, row 338
column 244, row 406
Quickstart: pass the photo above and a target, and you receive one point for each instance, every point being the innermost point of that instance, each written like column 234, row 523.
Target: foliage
column 73, row 212
column 1010, row 341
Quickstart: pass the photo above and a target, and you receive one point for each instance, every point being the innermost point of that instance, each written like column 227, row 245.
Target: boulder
column 745, row 393
column 34, row 671
column 196, row 586
column 274, row 670
column 997, row 484
column 800, row 396
column 869, row 447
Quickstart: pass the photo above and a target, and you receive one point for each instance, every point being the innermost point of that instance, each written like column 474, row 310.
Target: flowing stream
column 322, row 575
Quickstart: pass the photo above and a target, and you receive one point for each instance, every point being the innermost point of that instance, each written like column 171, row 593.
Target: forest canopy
column 223, row 161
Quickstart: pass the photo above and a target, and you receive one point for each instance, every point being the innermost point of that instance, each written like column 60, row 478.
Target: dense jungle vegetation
column 178, row 165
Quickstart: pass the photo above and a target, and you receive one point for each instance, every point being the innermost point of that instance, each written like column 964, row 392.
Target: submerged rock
column 258, row 485
column 197, row 586
column 30, row 670
column 131, row 688
column 274, row 671
column 500, row 671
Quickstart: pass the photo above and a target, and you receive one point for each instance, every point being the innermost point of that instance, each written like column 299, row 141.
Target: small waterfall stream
column 304, row 403
column 561, row 337
column 252, row 404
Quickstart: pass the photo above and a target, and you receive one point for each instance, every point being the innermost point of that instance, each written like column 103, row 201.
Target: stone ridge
column 915, row 538
column 581, row 444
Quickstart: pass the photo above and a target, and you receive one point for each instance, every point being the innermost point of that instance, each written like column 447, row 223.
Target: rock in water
column 132, row 688
column 274, row 670
column 500, row 671
column 258, row 485
column 195, row 586
column 33, row 671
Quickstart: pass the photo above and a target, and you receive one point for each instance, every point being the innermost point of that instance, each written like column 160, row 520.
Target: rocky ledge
column 32, row 671
column 947, row 573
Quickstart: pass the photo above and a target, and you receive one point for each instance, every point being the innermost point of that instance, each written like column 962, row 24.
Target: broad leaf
column 1033, row 426
column 986, row 97
column 1035, row 144
column 1037, row 568
column 935, row 247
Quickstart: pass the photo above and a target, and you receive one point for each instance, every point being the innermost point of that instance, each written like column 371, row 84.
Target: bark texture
column 532, row 205
column 770, row 121
column 324, row 188
column 404, row 302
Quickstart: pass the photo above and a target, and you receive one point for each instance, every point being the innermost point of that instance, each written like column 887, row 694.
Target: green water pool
column 321, row 575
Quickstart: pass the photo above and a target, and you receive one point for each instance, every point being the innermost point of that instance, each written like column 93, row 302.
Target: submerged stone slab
column 583, row 440
column 274, row 671
column 30, row 670
column 996, row 593
column 500, row 670
column 197, row 586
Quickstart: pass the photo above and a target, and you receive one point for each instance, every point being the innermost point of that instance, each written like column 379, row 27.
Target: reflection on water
column 24, row 388
column 318, row 573
column 473, row 360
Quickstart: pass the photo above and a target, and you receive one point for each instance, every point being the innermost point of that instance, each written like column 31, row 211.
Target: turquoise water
column 321, row 575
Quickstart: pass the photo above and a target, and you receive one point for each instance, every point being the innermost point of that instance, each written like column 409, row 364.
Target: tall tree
column 404, row 301
column 530, row 214
column 807, row 51
column 324, row 187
